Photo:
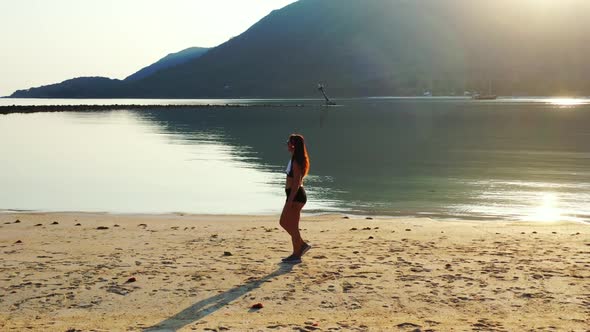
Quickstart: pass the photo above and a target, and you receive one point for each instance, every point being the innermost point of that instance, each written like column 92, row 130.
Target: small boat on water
column 489, row 96
column 477, row 96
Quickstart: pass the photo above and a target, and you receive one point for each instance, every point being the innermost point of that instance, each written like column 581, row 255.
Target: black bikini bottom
column 300, row 196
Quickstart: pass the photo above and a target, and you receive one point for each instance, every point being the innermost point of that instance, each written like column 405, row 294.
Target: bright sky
column 49, row 41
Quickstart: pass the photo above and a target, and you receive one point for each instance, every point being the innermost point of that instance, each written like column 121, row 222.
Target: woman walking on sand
column 297, row 169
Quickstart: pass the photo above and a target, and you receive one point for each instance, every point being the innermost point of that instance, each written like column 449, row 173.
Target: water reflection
column 407, row 157
column 567, row 101
column 548, row 209
column 121, row 162
column 376, row 156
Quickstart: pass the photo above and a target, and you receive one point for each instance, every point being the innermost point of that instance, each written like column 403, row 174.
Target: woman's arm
column 296, row 182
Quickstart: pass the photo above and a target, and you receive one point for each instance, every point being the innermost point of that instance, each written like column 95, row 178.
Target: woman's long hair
column 300, row 152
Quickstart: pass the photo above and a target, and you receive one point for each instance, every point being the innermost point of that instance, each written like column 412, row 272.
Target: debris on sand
column 257, row 306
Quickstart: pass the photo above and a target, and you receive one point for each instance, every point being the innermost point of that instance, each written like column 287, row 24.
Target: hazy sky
column 48, row 41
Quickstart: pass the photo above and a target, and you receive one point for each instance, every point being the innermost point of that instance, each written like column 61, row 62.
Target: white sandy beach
column 198, row 273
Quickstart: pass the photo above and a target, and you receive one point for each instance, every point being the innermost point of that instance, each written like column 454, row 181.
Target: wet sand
column 205, row 273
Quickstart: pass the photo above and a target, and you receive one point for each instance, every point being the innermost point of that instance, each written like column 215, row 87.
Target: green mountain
column 172, row 59
column 80, row 87
column 103, row 87
column 392, row 47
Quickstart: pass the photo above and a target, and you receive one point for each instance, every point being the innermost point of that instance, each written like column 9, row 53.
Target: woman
column 296, row 170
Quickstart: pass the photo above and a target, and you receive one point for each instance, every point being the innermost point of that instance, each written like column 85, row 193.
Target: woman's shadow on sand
column 214, row 303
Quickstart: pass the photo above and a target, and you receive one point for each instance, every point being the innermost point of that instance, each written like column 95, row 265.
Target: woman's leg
column 290, row 222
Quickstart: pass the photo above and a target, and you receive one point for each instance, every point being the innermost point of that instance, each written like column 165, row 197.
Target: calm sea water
column 517, row 159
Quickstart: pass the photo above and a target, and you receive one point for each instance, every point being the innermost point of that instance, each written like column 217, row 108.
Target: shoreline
column 335, row 214
column 105, row 272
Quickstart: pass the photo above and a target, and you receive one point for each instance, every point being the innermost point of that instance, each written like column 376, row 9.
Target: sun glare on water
column 566, row 101
column 547, row 210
